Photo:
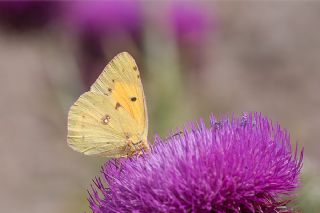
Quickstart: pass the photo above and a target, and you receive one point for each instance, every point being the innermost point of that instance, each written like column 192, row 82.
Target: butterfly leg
column 145, row 146
column 136, row 148
column 131, row 148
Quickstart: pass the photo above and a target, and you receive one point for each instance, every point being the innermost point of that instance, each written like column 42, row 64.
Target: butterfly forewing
column 121, row 80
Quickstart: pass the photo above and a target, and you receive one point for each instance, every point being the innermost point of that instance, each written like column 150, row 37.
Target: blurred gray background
column 195, row 58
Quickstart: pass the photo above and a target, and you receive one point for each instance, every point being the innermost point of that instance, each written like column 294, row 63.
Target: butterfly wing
column 113, row 113
column 121, row 80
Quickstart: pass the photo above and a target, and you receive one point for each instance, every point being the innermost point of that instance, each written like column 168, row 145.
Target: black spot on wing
column 117, row 105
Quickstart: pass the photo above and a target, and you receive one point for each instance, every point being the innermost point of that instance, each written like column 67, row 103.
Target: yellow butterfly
column 111, row 119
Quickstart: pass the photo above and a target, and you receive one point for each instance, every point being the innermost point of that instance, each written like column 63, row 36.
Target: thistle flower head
column 103, row 17
column 243, row 164
column 190, row 20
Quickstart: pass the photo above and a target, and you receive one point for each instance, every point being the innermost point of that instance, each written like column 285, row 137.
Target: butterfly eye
column 133, row 99
column 135, row 68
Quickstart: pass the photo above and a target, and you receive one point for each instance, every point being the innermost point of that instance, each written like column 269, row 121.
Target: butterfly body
column 111, row 119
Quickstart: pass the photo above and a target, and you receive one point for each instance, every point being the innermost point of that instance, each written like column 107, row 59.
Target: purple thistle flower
column 103, row 17
column 27, row 15
column 103, row 28
column 241, row 164
column 191, row 21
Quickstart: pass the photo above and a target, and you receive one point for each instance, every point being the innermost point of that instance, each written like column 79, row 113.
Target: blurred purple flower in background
column 193, row 25
column 104, row 17
column 27, row 15
column 190, row 21
column 241, row 164
column 104, row 28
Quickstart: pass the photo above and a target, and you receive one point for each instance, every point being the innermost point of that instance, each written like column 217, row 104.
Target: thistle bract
column 243, row 164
